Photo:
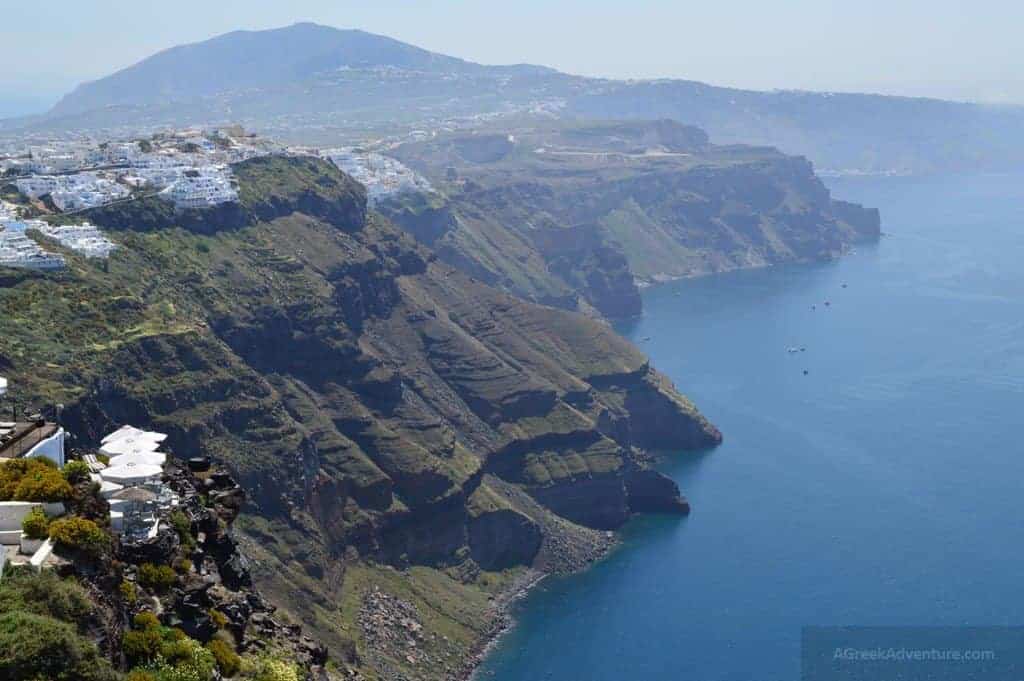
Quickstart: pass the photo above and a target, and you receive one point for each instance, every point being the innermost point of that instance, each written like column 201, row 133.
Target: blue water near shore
column 882, row 488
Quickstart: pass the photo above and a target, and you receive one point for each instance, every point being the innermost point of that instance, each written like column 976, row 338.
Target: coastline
column 503, row 621
column 520, row 588
column 660, row 278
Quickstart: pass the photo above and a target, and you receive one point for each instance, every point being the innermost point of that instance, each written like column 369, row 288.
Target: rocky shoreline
column 503, row 621
column 519, row 589
column 393, row 626
column 660, row 278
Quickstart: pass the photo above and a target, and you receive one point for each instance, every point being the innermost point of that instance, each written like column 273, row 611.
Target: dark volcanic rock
column 601, row 503
column 154, row 550
column 503, row 538
column 652, row 492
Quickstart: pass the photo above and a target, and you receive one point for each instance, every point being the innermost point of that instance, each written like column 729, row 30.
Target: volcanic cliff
column 576, row 215
column 409, row 438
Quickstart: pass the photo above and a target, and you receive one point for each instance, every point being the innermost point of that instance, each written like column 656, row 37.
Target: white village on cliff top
column 191, row 168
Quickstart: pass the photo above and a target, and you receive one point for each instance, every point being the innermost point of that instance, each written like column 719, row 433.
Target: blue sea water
column 884, row 487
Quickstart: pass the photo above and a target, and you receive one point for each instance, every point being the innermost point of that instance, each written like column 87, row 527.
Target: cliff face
column 576, row 215
column 378, row 406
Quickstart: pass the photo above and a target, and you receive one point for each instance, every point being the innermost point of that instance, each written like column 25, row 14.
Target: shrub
column 79, row 533
column 103, row 459
column 11, row 473
column 146, row 620
column 42, row 484
column 142, row 645
column 76, row 471
column 36, row 525
column 32, row 480
column 157, row 577
column 140, row 675
column 44, row 593
column 177, row 651
column 184, row 660
column 183, row 565
column 183, row 526
column 228, row 661
column 129, row 593
column 218, row 618
column 37, row 647
column 268, row 668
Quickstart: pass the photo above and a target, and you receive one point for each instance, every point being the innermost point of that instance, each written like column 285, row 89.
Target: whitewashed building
column 85, row 238
column 206, row 187
column 18, row 250
column 381, row 175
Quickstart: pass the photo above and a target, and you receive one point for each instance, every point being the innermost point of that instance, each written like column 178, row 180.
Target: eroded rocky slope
column 396, row 424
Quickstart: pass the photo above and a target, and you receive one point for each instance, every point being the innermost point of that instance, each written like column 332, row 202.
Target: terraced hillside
column 574, row 214
column 411, row 440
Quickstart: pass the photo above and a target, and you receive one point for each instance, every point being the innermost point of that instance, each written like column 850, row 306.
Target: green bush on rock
column 228, row 661
column 12, row 471
column 183, row 526
column 141, row 645
column 35, row 524
column 34, row 647
column 140, row 675
column 267, row 668
column 219, row 619
column 79, row 533
column 129, row 593
column 44, row 593
column 32, row 480
column 157, row 577
column 76, row 471
column 43, row 485
column 146, row 620
column 183, row 660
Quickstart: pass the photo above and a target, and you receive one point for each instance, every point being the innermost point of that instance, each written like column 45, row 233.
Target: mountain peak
column 250, row 59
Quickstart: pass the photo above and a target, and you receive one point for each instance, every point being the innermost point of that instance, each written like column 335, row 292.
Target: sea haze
column 879, row 488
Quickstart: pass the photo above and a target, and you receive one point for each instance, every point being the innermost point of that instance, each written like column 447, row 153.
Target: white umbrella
column 129, row 445
column 149, row 458
column 132, row 431
column 121, row 432
column 131, row 473
column 3, row 386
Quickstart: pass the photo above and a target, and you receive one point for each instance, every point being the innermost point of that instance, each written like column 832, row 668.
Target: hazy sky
column 952, row 49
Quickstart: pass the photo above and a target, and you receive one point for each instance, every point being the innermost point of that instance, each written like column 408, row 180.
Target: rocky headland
column 579, row 215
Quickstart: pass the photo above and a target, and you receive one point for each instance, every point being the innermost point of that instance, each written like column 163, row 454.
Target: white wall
column 51, row 448
column 13, row 512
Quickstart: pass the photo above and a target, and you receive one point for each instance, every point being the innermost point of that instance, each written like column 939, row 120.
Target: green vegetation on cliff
column 380, row 408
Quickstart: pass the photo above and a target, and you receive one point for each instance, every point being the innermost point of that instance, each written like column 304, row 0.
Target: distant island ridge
column 318, row 84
